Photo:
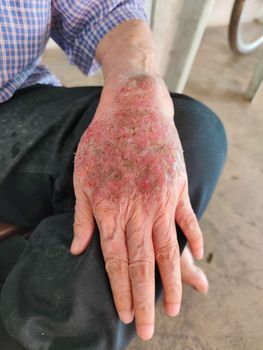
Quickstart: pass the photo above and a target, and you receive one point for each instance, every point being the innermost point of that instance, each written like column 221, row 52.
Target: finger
column 83, row 221
column 167, row 255
column 186, row 219
column 141, row 272
column 114, row 250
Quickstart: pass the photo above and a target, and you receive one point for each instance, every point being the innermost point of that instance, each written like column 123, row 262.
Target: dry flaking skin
column 130, row 177
column 126, row 153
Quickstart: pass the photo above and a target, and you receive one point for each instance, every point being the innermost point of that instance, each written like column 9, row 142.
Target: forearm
column 128, row 49
column 128, row 53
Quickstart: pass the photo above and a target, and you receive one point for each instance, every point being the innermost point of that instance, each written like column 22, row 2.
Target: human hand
column 130, row 176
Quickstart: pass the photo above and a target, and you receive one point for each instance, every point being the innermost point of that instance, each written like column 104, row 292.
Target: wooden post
column 256, row 79
column 178, row 27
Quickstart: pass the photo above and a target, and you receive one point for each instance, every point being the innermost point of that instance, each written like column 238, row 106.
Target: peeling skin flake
column 127, row 153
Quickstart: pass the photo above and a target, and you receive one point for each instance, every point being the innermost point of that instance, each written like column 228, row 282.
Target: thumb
column 83, row 221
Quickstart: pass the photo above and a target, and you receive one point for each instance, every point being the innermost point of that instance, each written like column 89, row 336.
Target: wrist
column 128, row 57
column 118, row 74
column 127, row 51
column 136, row 92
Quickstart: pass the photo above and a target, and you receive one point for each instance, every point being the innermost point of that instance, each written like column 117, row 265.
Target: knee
column 201, row 129
column 55, row 230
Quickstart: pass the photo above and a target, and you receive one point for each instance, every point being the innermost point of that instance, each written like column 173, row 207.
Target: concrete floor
column 231, row 316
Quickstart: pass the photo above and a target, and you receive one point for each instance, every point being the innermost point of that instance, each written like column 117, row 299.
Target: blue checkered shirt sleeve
column 78, row 28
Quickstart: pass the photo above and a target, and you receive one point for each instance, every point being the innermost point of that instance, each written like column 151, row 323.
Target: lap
column 51, row 299
column 42, row 126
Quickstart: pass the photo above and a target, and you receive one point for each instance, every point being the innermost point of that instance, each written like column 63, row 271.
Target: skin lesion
column 139, row 85
column 131, row 151
column 142, row 91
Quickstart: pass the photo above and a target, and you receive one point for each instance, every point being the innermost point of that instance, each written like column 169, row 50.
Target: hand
column 130, row 176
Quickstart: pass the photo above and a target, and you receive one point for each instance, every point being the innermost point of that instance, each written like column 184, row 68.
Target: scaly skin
column 122, row 156
column 130, row 176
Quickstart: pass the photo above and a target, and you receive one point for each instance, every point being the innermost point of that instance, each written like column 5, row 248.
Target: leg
column 33, row 127
column 52, row 300
column 10, row 249
column 40, row 130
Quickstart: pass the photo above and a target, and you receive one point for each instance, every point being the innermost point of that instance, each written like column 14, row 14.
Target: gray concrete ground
column 230, row 317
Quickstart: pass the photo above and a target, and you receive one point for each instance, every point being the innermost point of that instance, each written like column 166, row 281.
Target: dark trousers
column 49, row 298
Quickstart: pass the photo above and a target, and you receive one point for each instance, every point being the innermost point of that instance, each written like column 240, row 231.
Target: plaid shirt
column 76, row 25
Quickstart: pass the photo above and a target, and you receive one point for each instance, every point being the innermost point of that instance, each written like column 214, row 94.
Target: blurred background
column 195, row 58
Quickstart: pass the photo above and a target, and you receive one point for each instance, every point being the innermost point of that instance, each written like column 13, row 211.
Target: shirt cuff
column 82, row 52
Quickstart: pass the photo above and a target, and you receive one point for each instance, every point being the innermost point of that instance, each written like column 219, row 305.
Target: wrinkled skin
column 130, row 176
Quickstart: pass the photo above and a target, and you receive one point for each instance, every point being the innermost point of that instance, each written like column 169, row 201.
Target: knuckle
column 194, row 232
column 77, row 226
column 195, row 237
column 116, row 268
column 141, row 270
column 105, row 213
column 168, row 255
column 190, row 222
column 175, row 289
column 144, row 308
column 173, row 294
column 122, row 298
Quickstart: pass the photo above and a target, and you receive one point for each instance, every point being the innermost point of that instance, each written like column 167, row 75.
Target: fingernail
column 172, row 309
column 145, row 331
column 126, row 316
column 75, row 246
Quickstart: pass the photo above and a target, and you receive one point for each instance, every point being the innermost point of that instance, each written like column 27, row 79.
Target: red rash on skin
column 127, row 153
column 130, row 177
